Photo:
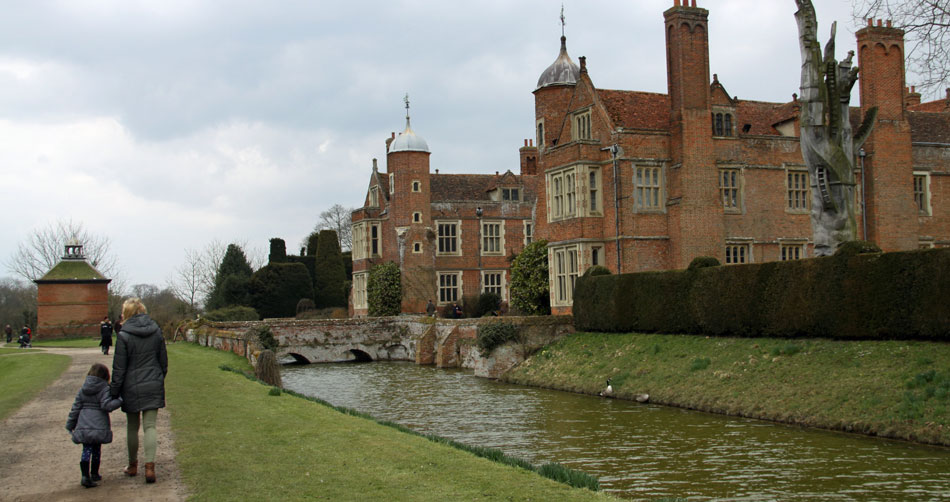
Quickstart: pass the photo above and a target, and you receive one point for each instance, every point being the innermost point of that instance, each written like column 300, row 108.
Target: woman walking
column 138, row 376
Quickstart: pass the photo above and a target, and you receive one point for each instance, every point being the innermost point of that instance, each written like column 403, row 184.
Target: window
column 416, row 217
column 791, row 250
column 727, row 125
column 646, row 183
column 925, row 244
column 448, row 238
column 359, row 290
column 593, row 187
column 492, row 238
column 510, row 194
column 797, row 186
column 565, row 274
column 581, row 125
column 417, row 247
column 540, row 133
column 374, row 196
column 563, row 189
column 729, row 189
column 596, row 255
column 922, row 192
column 722, row 124
column 374, row 244
column 392, row 183
column 449, row 286
column 528, row 233
column 738, row 253
column 359, row 241
column 493, row 282
column 416, row 186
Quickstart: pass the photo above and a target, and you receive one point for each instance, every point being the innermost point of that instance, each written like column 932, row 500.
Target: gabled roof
column 928, row 127
column 73, row 270
column 636, row 110
column 762, row 117
column 471, row 187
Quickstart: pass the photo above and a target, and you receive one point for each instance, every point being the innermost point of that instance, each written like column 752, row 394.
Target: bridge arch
column 298, row 359
column 360, row 356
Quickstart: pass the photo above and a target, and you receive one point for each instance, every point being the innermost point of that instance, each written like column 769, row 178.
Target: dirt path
column 39, row 462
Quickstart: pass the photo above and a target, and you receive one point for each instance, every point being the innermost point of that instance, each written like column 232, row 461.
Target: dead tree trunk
column 827, row 142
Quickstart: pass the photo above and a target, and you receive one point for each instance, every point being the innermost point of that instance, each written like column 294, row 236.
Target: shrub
column 597, row 270
column 699, row 363
column 384, row 290
column 852, row 248
column 487, row 303
column 278, row 287
column 469, row 306
column 305, row 305
column 263, row 336
column 231, row 280
column 529, row 280
column 703, row 262
column 495, row 334
column 232, row 313
column 268, row 369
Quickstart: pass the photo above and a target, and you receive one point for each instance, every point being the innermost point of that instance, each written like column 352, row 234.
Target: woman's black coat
column 140, row 365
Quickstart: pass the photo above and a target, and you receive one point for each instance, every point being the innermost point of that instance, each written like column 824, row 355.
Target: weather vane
column 406, row 99
column 562, row 19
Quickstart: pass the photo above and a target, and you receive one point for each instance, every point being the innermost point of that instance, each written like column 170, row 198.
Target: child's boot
column 94, row 470
column 150, row 472
column 86, row 480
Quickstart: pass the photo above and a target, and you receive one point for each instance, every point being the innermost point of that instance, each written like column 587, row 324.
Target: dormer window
column 510, row 194
column 581, row 128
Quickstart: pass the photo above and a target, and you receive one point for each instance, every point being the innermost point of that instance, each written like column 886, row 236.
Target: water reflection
column 638, row 451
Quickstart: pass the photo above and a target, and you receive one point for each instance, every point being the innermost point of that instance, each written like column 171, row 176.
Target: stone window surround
column 637, row 194
column 528, row 231
column 559, row 197
column 458, row 237
column 581, row 124
column 562, row 279
column 485, row 235
column 359, row 290
column 457, row 286
column 788, row 244
column 790, row 173
column 416, row 186
column 739, row 188
column 734, row 245
column 924, row 177
column 501, row 286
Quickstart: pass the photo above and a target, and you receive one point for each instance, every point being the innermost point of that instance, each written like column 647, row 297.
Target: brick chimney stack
column 529, row 158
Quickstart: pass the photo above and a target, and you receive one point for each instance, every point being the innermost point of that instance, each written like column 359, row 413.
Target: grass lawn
column 898, row 389
column 237, row 442
column 24, row 376
column 79, row 342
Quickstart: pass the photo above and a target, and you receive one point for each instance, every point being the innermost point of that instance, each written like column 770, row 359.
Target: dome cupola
column 408, row 140
column 562, row 71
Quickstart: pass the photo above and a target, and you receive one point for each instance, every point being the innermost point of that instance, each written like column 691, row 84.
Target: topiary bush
column 487, row 304
column 305, row 305
column 529, row 280
column 384, row 290
column 852, row 248
column 233, row 313
column 329, row 272
column 496, row 334
column 277, row 288
column 703, row 262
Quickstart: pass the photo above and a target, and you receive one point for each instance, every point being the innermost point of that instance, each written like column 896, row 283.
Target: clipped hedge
column 866, row 296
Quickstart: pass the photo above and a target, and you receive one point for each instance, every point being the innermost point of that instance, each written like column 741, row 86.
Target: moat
column 638, row 451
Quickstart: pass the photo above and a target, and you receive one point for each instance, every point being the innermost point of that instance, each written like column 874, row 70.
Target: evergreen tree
column 277, row 288
column 384, row 290
column 329, row 272
column 231, row 280
column 529, row 280
column 313, row 243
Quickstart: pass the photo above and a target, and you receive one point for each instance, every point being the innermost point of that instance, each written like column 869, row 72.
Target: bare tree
column 926, row 25
column 186, row 280
column 338, row 218
column 43, row 249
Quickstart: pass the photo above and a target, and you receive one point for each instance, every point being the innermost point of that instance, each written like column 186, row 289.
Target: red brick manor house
column 640, row 181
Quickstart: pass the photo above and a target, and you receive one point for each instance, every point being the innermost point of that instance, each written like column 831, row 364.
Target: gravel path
column 39, row 462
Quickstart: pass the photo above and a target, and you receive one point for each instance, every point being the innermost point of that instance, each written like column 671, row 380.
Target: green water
column 638, row 451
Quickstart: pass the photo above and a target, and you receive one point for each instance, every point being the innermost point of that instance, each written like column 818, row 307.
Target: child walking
column 89, row 421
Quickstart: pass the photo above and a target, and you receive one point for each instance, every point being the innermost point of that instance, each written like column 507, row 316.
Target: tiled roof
column 473, row 187
column 762, row 117
column 927, row 127
column 73, row 270
column 636, row 110
column 932, row 106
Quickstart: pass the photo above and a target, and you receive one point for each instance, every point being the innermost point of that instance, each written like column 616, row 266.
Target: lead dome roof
column 408, row 141
column 562, row 71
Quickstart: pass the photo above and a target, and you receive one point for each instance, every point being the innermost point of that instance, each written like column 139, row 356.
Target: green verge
column 25, row 375
column 236, row 440
column 894, row 389
column 82, row 342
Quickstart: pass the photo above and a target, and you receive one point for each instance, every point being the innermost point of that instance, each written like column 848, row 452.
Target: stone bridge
column 446, row 343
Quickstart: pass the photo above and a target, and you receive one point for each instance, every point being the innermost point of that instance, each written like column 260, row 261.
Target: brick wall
column 70, row 309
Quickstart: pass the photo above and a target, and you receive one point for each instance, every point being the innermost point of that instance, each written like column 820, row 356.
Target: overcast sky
column 167, row 124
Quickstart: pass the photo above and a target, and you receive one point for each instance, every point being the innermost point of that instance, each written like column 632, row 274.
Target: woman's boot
column 150, row 472
column 132, row 469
